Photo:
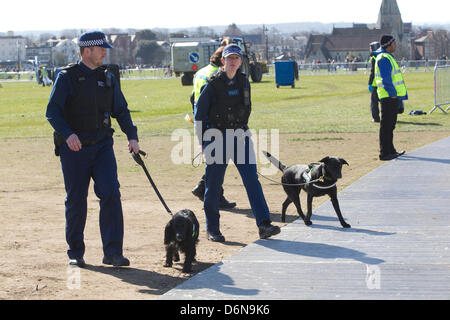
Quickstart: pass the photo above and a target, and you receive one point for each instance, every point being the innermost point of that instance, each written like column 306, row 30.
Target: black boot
column 117, row 260
column 199, row 190
column 266, row 230
column 225, row 204
column 79, row 262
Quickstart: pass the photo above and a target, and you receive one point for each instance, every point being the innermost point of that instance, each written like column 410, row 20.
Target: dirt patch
column 34, row 263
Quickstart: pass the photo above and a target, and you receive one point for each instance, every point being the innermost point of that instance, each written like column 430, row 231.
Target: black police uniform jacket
column 90, row 107
column 232, row 108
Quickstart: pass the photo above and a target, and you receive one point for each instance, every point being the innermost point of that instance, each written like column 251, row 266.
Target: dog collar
column 324, row 187
column 193, row 231
column 322, row 179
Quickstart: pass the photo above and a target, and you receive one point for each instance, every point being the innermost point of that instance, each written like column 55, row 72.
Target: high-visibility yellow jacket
column 396, row 77
column 372, row 60
column 201, row 77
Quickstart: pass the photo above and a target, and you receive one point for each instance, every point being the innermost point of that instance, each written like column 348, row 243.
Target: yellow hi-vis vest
column 201, row 77
column 374, row 83
column 396, row 74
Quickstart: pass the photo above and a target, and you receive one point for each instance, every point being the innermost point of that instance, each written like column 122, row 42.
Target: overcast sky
column 24, row 15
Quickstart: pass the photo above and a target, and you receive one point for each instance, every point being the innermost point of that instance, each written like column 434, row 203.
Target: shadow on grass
column 420, row 123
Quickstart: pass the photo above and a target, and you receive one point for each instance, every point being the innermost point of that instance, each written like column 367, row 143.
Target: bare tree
column 233, row 31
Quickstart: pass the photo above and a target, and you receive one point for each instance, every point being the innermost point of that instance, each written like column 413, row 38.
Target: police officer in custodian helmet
column 83, row 100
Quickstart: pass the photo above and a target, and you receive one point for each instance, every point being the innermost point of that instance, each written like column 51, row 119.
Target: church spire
column 390, row 17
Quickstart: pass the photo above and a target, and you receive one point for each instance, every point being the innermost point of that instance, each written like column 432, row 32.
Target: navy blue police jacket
column 62, row 89
column 205, row 101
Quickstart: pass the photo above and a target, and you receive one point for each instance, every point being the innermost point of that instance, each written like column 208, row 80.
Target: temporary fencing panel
column 441, row 87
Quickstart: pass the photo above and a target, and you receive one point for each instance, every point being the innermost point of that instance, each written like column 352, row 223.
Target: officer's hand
column 73, row 142
column 133, row 146
column 370, row 88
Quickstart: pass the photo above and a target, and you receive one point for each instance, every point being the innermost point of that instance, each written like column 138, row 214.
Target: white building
column 12, row 48
column 55, row 52
column 65, row 52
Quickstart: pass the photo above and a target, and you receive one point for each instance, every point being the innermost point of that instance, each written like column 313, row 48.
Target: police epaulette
column 74, row 71
column 216, row 76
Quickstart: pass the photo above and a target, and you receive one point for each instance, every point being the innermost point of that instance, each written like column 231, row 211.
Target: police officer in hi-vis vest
column 221, row 125
column 200, row 78
column 392, row 92
column 83, row 100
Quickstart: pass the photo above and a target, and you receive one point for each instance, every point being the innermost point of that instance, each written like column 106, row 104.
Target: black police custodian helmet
column 94, row 39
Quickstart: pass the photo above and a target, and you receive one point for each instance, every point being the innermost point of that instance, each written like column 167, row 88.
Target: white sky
column 25, row 15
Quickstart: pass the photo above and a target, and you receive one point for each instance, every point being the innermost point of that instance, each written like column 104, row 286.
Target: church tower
column 390, row 18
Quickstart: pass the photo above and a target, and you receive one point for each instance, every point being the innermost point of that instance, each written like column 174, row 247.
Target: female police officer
column 200, row 78
column 83, row 99
column 221, row 117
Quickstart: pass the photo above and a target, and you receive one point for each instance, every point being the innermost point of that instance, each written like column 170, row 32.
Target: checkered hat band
column 92, row 43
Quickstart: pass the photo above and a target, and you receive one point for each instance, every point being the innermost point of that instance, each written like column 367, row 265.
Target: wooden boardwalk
column 398, row 246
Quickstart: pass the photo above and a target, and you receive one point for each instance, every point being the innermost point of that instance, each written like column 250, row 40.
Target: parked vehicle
column 189, row 57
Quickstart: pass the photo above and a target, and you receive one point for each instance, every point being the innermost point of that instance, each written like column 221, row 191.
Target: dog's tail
column 275, row 161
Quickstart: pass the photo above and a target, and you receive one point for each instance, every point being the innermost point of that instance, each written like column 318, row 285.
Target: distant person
column 45, row 79
column 39, row 76
column 83, row 100
column 374, row 109
column 392, row 92
column 200, row 78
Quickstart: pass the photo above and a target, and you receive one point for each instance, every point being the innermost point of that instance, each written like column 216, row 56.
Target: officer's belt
column 87, row 143
column 223, row 129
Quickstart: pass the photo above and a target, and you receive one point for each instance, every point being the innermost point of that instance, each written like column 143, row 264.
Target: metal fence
column 312, row 69
column 305, row 69
column 441, row 87
column 139, row 74
column 125, row 74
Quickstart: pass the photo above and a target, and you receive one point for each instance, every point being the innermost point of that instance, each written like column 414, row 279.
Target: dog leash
column 289, row 184
column 193, row 160
column 321, row 179
column 138, row 159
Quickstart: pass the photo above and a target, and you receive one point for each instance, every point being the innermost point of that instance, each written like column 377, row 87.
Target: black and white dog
column 181, row 233
column 316, row 179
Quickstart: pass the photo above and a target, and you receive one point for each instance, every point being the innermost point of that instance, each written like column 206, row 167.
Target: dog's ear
column 343, row 161
column 325, row 159
column 168, row 233
column 188, row 226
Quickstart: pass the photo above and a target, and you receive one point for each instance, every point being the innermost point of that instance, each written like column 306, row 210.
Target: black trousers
column 389, row 111
column 374, row 109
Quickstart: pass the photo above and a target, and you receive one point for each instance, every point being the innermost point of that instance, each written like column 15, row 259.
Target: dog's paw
column 308, row 222
column 167, row 265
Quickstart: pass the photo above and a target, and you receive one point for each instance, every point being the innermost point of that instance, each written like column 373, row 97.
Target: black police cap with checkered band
column 93, row 39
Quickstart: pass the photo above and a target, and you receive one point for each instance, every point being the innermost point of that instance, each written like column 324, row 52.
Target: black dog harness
column 307, row 178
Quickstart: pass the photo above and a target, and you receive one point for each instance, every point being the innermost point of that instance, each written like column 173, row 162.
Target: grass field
column 318, row 104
